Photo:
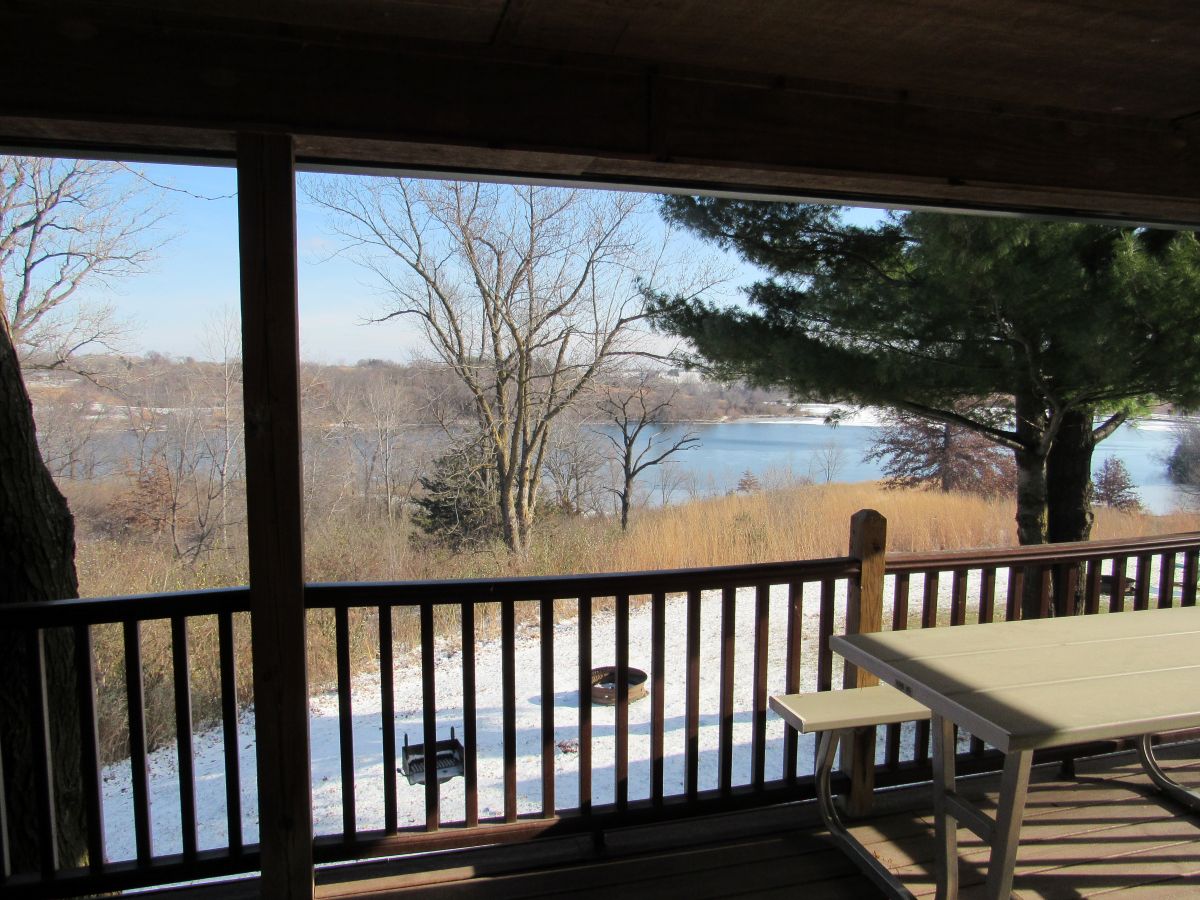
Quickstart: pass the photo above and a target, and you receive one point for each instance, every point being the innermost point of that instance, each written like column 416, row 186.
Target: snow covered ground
column 368, row 729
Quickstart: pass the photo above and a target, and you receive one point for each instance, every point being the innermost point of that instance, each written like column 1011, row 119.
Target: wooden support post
column 271, row 357
column 864, row 613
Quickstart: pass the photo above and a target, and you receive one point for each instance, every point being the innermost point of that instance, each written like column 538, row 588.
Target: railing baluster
column 791, row 685
column 987, row 594
column 1044, row 581
column 387, row 716
column 5, row 857
column 341, row 637
column 958, row 598
column 508, row 687
column 229, row 732
column 692, row 701
column 89, row 746
column 761, row 632
column 546, row 636
column 471, row 763
column 622, row 642
column 585, row 704
column 1166, row 580
column 929, row 599
column 1091, row 596
column 1190, row 559
column 899, row 623
column 725, row 747
column 1069, row 579
column 183, row 735
column 1016, row 588
column 433, row 813
column 928, row 620
column 658, row 630
column 1116, row 602
column 987, row 611
column 1141, row 595
column 824, row 631
column 43, row 756
column 139, row 770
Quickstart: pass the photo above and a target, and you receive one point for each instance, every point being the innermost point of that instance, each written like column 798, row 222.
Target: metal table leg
column 1166, row 784
column 860, row 855
column 945, row 825
column 1014, row 785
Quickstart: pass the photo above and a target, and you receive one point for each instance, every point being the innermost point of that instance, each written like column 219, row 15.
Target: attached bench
column 833, row 715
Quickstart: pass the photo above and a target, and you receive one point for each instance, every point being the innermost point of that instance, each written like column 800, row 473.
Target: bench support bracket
column 1166, row 784
column 827, row 748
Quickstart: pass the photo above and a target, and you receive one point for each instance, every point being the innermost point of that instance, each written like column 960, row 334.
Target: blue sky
column 196, row 277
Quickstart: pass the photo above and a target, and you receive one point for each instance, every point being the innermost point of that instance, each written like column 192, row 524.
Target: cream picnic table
column 1025, row 686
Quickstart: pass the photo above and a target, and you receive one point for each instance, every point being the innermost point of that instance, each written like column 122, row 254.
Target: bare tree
column 827, row 462
column 674, row 479
column 223, row 442
column 918, row 452
column 574, row 462
column 527, row 294
column 641, row 440
column 187, row 459
column 66, row 428
column 63, row 225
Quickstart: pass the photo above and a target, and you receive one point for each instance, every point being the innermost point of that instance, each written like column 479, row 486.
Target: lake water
column 774, row 449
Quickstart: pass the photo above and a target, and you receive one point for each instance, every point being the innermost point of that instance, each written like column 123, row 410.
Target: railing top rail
column 605, row 584
column 142, row 607
column 138, row 607
column 1081, row 551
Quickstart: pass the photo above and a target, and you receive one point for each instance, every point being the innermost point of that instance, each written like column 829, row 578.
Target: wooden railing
column 55, row 877
column 742, row 632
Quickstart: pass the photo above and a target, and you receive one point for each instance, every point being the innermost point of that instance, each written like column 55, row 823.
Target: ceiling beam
column 187, row 87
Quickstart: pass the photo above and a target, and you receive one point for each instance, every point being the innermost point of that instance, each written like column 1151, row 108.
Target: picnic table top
column 1047, row 682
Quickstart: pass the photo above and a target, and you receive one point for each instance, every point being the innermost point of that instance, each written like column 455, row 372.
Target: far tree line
column 149, row 448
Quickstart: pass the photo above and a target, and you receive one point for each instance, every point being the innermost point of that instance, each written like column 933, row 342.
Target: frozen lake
column 808, row 447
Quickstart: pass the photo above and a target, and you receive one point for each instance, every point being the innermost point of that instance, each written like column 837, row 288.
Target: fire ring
column 604, row 685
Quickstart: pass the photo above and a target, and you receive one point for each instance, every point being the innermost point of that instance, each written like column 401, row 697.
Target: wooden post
column 270, row 359
column 864, row 613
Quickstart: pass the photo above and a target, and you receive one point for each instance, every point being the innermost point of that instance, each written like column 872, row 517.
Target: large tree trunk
column 626, row 494
column 1069, row 479
column 1031, row 492
column 510, row 517
column 1069, row 498
column 948, row 484
column 37, row 563
column 1031, row 471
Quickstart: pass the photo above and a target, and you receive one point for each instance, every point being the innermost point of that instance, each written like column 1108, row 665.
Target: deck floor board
column 1105, row 832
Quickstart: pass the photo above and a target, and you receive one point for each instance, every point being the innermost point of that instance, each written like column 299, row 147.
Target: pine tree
column 459, row 507
column 924, row 311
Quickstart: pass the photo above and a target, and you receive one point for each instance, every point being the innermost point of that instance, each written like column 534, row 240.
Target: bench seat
column 819, row 711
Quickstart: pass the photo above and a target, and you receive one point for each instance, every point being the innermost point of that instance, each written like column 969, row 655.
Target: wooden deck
column 1104, row 832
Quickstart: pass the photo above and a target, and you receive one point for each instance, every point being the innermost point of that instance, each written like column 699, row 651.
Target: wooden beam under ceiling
column 130, row 82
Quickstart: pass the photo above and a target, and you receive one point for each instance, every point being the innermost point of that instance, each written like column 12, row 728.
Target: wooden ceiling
column 1056, row 107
